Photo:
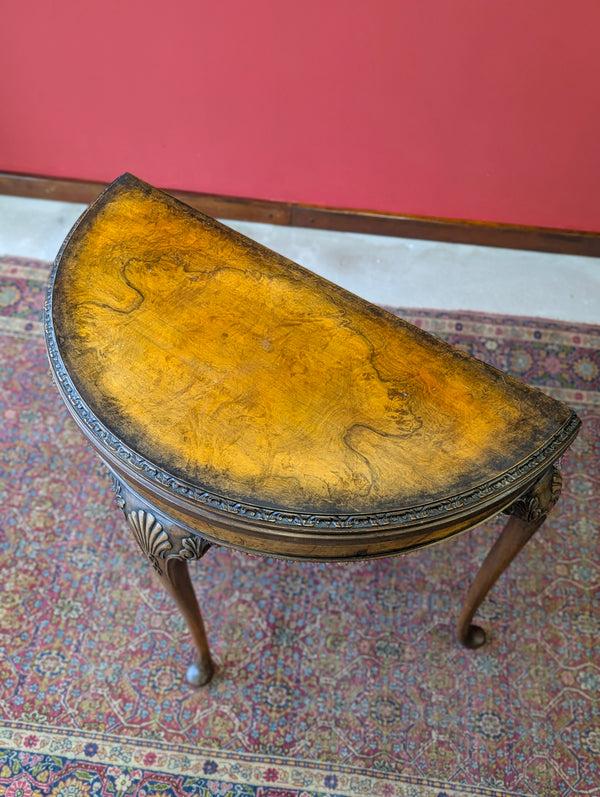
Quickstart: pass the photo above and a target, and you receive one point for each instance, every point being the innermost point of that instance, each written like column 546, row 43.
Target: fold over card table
column 241, row 400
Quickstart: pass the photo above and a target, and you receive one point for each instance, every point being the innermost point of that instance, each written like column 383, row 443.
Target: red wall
column 476, row 109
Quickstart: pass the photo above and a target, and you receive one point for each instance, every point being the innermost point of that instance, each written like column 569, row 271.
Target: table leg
column 176, row 580
column 168, row 547
column 527, row 515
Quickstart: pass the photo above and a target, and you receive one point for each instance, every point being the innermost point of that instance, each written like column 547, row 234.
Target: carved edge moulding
column 137, row 467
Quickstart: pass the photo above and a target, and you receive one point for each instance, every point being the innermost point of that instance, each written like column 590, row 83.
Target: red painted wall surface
column 473, row 109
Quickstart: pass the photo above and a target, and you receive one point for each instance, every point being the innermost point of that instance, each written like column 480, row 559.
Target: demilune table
column 241, row 400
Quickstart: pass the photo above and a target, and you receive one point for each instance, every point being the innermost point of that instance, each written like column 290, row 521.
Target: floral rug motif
column 335, row 680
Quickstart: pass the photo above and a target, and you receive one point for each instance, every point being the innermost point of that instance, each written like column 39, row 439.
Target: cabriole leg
column 176, row 580
column 169, row 548
column 527, row 515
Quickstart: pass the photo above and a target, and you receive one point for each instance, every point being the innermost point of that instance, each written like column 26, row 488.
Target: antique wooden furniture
column 241, row 400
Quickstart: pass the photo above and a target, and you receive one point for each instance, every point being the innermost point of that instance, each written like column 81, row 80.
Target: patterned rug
column 332, row 680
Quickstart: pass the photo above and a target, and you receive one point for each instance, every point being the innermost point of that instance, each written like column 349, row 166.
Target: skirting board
column 509, row 236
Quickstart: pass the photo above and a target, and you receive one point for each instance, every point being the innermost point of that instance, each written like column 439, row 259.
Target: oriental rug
column 333, row 680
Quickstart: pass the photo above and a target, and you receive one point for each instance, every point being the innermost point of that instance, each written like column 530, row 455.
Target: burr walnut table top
column 288, row 416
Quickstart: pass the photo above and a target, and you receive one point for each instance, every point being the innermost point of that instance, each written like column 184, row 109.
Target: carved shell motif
column 537, row 503
column 193, row 547
column 150, row 536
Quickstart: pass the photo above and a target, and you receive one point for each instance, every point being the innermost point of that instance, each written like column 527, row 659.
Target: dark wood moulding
column 509, row 236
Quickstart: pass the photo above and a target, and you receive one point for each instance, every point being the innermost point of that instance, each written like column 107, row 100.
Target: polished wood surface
column 507, row 236
column 227, row 365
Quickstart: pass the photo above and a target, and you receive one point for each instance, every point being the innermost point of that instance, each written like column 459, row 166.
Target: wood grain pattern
column 225, row 364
